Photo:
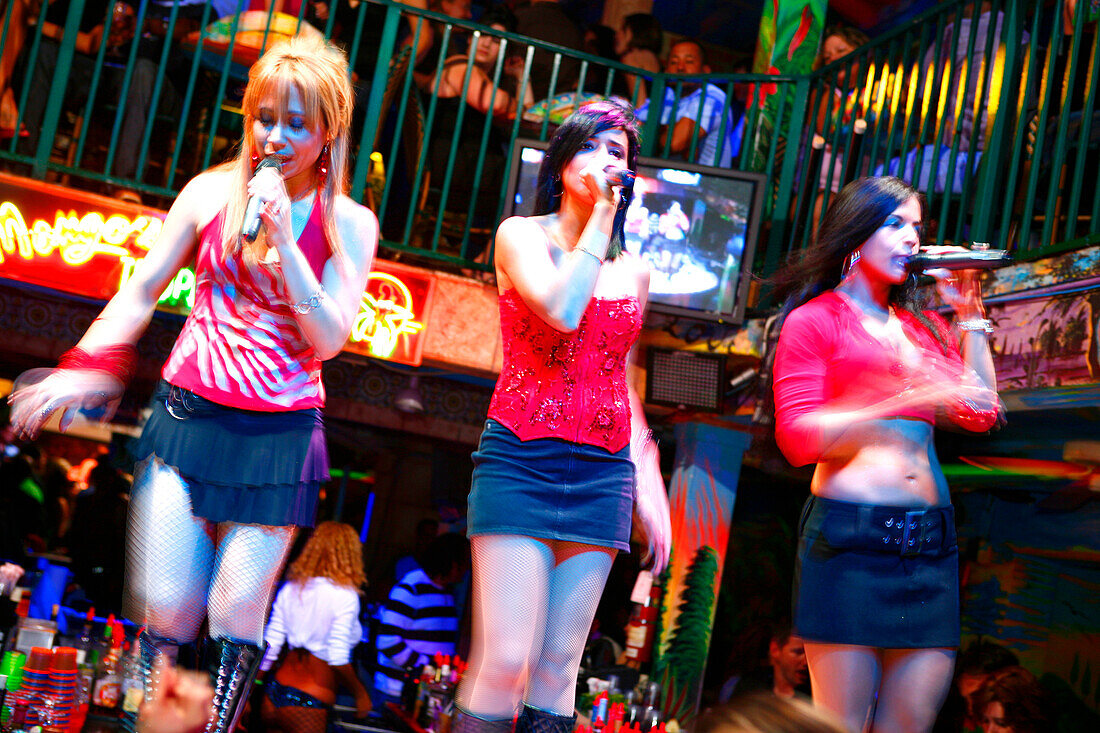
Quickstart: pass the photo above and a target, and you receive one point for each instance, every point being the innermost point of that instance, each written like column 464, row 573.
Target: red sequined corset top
column 567, row 385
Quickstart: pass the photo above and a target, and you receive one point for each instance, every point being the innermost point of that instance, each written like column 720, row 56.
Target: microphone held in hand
column 250, row 225
column 974, row 259
column 619, row 177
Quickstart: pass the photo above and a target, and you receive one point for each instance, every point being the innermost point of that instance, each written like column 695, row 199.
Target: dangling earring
column 849, row 262
column 255, row 160
column 556, row 181
column 322, row 166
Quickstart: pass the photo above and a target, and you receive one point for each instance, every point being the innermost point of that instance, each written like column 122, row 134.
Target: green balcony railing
column 989, row 107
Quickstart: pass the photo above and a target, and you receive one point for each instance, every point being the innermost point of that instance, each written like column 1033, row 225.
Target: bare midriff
column 887, row 462
column 312, row 675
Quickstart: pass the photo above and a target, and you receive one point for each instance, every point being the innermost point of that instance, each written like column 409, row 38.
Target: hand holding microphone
column 619, row 177
column 250, row 225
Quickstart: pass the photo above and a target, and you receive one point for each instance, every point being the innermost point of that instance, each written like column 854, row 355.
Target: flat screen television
column 696, row 226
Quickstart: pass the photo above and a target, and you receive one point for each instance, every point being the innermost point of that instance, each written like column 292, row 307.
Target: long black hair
column 589, row 120
column 857, row 212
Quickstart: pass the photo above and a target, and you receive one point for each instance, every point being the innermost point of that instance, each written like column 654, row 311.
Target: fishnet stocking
column 291, row 719
column 250, row 559
column 169, row 554
column 533, row 604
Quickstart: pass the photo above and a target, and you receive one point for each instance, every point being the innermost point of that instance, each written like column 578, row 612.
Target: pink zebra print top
column 241, row 346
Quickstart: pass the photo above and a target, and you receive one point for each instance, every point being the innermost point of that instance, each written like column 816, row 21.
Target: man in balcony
column 687, row 57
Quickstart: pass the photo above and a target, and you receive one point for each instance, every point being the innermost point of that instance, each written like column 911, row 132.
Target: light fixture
column 409, row 399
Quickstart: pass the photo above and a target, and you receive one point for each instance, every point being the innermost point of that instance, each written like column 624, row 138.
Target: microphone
column 250, row 225
column 619, row 177
column 974, row 259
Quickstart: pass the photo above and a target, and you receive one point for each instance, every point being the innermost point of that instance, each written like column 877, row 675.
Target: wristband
column 119, row 361
column 976, row 324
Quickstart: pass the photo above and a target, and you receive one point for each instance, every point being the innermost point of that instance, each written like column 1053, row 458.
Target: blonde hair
column 318, row 71
column 766, row 712
column 333, row 552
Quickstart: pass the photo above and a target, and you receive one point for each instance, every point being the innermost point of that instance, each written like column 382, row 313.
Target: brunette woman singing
column 565, row 454
column 861, row 377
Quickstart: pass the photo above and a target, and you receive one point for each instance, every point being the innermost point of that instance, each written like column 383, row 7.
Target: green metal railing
column 993, row 115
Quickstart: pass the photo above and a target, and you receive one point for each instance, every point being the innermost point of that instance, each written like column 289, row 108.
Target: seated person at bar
column 687, row 57
column 419, row 619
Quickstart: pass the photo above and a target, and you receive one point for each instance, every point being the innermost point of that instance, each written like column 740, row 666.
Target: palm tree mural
column 680, row 670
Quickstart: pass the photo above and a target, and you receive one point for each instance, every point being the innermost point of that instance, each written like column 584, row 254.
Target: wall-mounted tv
column 695, row 226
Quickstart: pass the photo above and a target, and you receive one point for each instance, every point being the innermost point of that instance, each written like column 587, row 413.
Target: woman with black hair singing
column 565, row 454
column 861, row 377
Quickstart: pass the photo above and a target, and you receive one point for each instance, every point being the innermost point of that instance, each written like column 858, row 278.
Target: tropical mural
column 790, row 32
column 701, row 498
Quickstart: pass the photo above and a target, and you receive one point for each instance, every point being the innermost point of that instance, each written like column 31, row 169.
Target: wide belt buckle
column 912, row 533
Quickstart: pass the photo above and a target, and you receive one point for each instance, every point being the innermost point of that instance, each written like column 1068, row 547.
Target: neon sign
column 93, row 253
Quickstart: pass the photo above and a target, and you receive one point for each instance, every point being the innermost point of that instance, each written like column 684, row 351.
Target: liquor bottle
column 132, row 679
column 86, row 641
column 107, row 687
column 640, row 629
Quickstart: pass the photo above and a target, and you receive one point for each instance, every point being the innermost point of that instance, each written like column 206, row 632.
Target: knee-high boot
column 232, row 666
column 468, row 723
column 151, row 648
column 533, row 720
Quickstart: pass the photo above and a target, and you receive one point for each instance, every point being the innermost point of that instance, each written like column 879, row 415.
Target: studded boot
column 232, row 666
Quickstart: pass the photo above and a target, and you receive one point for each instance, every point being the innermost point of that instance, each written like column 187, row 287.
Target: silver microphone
column 619, row 177
column 250, row 225
column 973, row 259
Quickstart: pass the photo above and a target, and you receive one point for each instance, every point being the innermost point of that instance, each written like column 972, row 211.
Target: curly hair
column 766, row 712
column 333, row 552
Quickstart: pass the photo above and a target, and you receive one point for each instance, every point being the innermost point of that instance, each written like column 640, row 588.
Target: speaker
column 685, row 379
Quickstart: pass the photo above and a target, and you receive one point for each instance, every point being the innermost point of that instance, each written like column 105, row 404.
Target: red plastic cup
column 64, row 659
column 39, row 660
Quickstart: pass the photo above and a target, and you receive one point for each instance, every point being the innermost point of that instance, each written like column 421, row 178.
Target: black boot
column 232, row 666
column 151, row 648
column 467, row 723
column 533, row 720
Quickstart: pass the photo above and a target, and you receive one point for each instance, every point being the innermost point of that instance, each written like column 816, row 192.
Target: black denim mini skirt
column 877, row 576
column 245, row 466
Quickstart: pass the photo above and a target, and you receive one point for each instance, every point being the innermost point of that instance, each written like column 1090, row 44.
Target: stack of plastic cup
column 12, row 666
column 28, row 703
column 62, row 687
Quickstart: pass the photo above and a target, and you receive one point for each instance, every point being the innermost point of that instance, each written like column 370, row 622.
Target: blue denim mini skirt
column 877, row 576
column 551, row 489
column 245, row 466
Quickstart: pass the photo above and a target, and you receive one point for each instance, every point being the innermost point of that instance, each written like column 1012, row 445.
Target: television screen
column 695, row 226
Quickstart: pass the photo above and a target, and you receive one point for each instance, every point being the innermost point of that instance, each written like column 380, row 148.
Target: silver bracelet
column 306, row 305
column 976, row 324
column 581, row 248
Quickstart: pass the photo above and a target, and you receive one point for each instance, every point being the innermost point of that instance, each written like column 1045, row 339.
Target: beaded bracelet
column 311, row 303
column 119, row 360
column 976, row 324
